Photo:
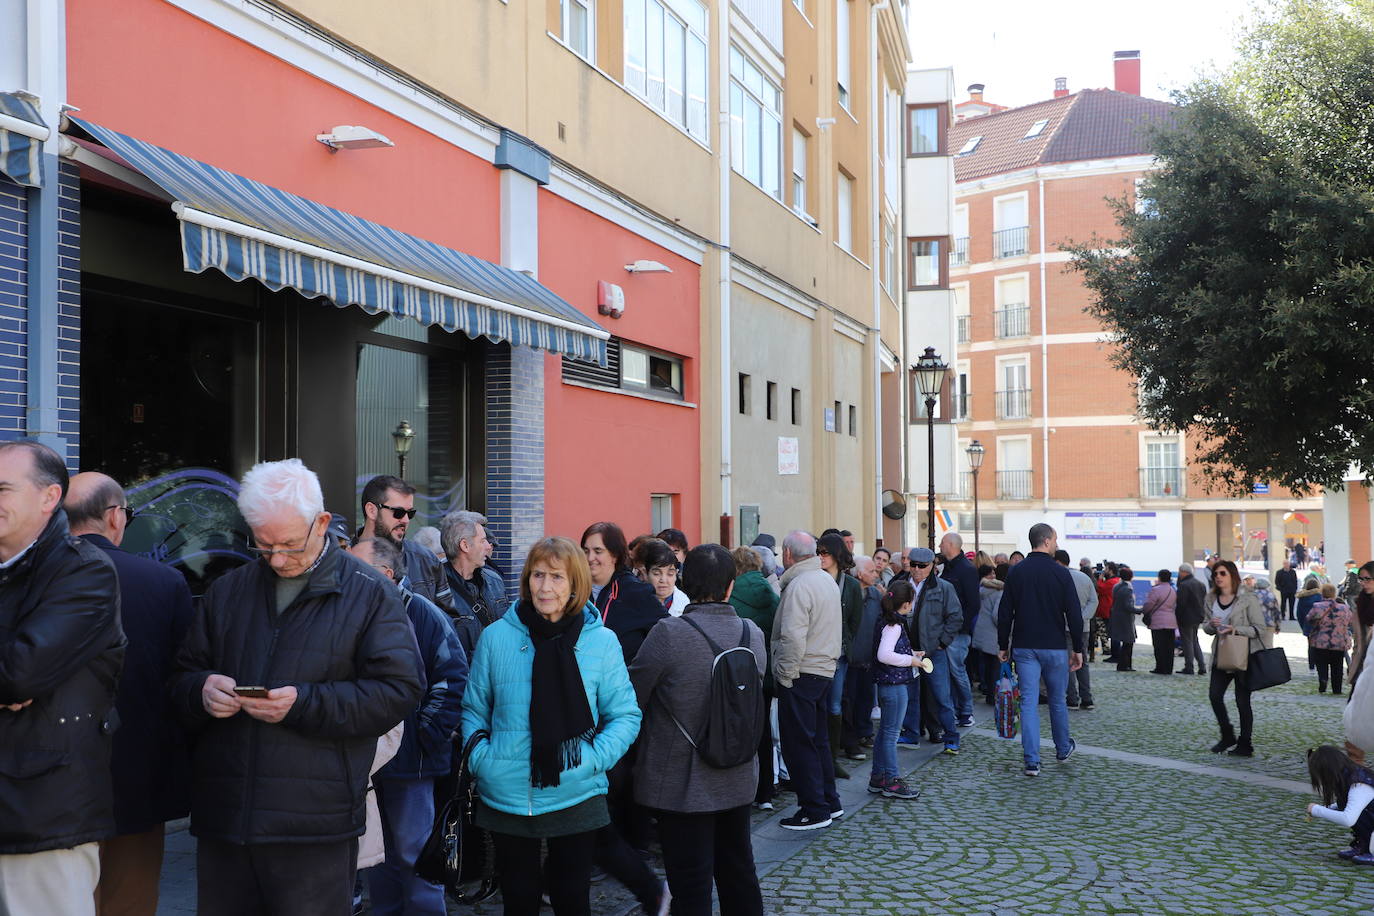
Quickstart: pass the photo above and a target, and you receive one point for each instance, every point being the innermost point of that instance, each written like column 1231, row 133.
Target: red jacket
column 1104, row 596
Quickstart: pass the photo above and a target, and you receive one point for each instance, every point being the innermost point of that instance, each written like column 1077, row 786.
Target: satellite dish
column 894, row 504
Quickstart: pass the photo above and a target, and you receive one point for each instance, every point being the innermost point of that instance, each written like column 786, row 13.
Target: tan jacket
column 1247, row 617
column 806, row 629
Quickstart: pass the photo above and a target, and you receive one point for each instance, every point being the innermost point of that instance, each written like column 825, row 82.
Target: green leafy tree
column 1242, row 292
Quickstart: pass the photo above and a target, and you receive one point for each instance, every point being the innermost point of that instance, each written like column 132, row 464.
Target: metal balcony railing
column 959, row 256
column 959, row 407
column 1009, row 243
column 1013, row 404
column 963, row 485
column 1013, row 484
column 1161, row 483
column 1012, row 321
column 964, row 332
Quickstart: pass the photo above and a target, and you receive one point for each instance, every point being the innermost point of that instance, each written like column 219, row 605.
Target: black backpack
column 733, row 724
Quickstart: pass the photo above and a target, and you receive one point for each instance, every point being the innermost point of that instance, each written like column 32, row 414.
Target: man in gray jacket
column 806, row 643
column 937, row 619
column 1080, row 686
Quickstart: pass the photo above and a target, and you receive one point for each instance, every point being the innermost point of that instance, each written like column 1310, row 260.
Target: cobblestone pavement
column 1142, row 820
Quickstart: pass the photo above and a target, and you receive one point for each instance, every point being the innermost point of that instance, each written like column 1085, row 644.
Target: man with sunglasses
column 388, row 505
column 149, row 763
column 936, row 621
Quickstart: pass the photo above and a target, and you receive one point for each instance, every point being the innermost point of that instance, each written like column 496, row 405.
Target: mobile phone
column 256, row 692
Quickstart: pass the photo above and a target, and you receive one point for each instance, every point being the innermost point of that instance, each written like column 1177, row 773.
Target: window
column 844, row 212
column 987, row 521
column 1162, row 475
column 1013, row 468
column 889, row 258
column 660, row 511
column 926, row 130
column 665, row 59
column 755, row 124
column 892, row 146
column 853, row 420
column 970, row 145
column 630, row 368
column 798, row 171
column 579, row 27
column 1144, row 204
column 744, row 394
column 835, row 417
column 1035, row 129
column 959, row 254
column 842, row 13
column 1012, row 316
column 961, row 315
column 926, row 266
column 772, row 405
column 958, row 397
column 796, row 407
column 1013, row 394
column 1010, row 224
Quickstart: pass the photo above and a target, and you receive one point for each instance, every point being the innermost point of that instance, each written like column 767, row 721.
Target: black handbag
column 1268, row 668
column 458, row 853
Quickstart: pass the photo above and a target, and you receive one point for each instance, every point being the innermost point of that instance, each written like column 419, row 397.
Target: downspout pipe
column 47, row 78
column 875, row 268
column 1044, row 364
column 723, row 232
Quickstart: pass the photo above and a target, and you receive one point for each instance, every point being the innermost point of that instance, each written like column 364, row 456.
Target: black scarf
column 560, row 719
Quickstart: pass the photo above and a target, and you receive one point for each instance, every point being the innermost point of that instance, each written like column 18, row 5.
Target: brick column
column 515, row 453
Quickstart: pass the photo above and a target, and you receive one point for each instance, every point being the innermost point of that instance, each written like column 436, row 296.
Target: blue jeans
column 892, row 700
column 1053, row 665
column 958, row 670
column 407, row 810
column 911, row 723
column 836, row 697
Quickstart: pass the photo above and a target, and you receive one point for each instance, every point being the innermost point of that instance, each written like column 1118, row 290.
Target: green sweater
column 754, row 599
column 852, row 611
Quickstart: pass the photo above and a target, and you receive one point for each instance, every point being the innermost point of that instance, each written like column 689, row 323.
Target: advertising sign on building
column 1109, row 526
column 789, row 455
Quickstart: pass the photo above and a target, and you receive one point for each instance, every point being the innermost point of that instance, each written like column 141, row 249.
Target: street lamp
column 975, row 452
column 404, row 437
column 930, row 378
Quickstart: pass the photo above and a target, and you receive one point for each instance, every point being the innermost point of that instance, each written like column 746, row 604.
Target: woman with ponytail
column 894, row 667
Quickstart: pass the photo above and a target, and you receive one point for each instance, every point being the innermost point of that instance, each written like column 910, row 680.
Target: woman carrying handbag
column 1235, row 620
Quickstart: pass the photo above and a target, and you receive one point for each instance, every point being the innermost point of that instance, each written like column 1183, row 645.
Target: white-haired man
column 293, row 667
column 806, row 643
column 477, row 590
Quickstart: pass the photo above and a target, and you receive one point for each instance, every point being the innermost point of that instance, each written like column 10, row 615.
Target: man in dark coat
column 478, row 592
column 61, row 647
column 959, row 572
column 293, row 667
column 1192, row 597
column 150, row 765
column 1286, row 581
column 388, row 505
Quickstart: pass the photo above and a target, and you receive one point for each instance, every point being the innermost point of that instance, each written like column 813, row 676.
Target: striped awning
column 22, row 133
column 244, row 228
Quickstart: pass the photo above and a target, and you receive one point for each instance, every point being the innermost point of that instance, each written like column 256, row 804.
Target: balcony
column 1161, row 483
column 1013, row 484
column 1012, row 321
column 963, row 485
column 959, row 256
column 1011, row 243
column 959, row 407
column 964, row 333
column 1013, row 404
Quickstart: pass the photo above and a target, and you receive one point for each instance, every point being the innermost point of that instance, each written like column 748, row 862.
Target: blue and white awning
column 244, row 228
column 22, row 133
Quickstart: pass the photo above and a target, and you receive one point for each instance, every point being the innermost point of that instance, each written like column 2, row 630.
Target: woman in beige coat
column 1232, row 609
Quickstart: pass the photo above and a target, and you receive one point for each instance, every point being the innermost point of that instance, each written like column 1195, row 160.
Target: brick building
column 1033, row 381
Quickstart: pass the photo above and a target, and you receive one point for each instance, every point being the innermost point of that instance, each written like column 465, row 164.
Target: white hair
column 862, row 558
column 428, row 538
column 800, row 545
column 271, row 486
column 955, row 538
column 458, row 525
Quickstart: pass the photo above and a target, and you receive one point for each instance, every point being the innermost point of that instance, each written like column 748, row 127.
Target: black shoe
column 1202, row 671
column 1242, row 750
column 1225, row 742
column 800, row 821
column 1086, row 707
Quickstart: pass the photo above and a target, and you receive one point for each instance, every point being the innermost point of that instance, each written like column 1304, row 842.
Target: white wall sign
column 1110, row 526
column 789, row 455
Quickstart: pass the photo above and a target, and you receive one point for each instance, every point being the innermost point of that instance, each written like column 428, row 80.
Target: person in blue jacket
column 405, row 786
column 550, row 690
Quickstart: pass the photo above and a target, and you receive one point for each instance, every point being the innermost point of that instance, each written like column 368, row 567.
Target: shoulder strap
column 715, row 649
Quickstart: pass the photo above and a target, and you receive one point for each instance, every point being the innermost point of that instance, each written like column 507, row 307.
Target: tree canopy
column 1241, row 291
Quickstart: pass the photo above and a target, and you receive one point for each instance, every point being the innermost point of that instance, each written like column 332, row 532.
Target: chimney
column 975, row 92
column 1061, row 86
column 1127, row 65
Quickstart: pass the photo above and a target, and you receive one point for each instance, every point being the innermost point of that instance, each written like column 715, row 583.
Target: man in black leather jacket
column 61, row 647
column 280, row 777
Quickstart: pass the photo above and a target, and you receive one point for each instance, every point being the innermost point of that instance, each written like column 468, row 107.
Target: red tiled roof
column 1090, row 124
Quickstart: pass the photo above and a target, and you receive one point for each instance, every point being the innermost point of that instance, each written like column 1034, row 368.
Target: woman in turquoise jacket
column 548, row 685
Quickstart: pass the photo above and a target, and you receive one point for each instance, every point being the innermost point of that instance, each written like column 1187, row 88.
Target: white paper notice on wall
column 789, row 455
column 830, row 419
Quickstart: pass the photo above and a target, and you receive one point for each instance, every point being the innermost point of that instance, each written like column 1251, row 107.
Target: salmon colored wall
column 149, row 70
column 605, row 453
column 1359, row 522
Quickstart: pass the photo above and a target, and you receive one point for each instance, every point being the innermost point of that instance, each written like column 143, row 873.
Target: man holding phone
column 292, row 669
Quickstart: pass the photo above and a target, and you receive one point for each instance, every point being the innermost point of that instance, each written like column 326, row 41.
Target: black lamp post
column 975, row 452
column 404, row 437
column 930, row 378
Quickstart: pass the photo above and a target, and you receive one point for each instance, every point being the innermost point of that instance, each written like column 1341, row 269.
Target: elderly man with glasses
column 293, row 667
column 388, row 505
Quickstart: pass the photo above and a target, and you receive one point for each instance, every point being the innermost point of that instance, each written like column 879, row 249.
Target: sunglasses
column 1366, row 578
column 128, row 511
column 920, row 565
column 396, row 511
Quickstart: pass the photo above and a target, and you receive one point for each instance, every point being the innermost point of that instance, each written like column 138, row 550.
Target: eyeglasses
column 268, row 553
column 1365, row 578
column 396, row 511
column 920, row 565
column 1220, row 572
column 128, row 511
